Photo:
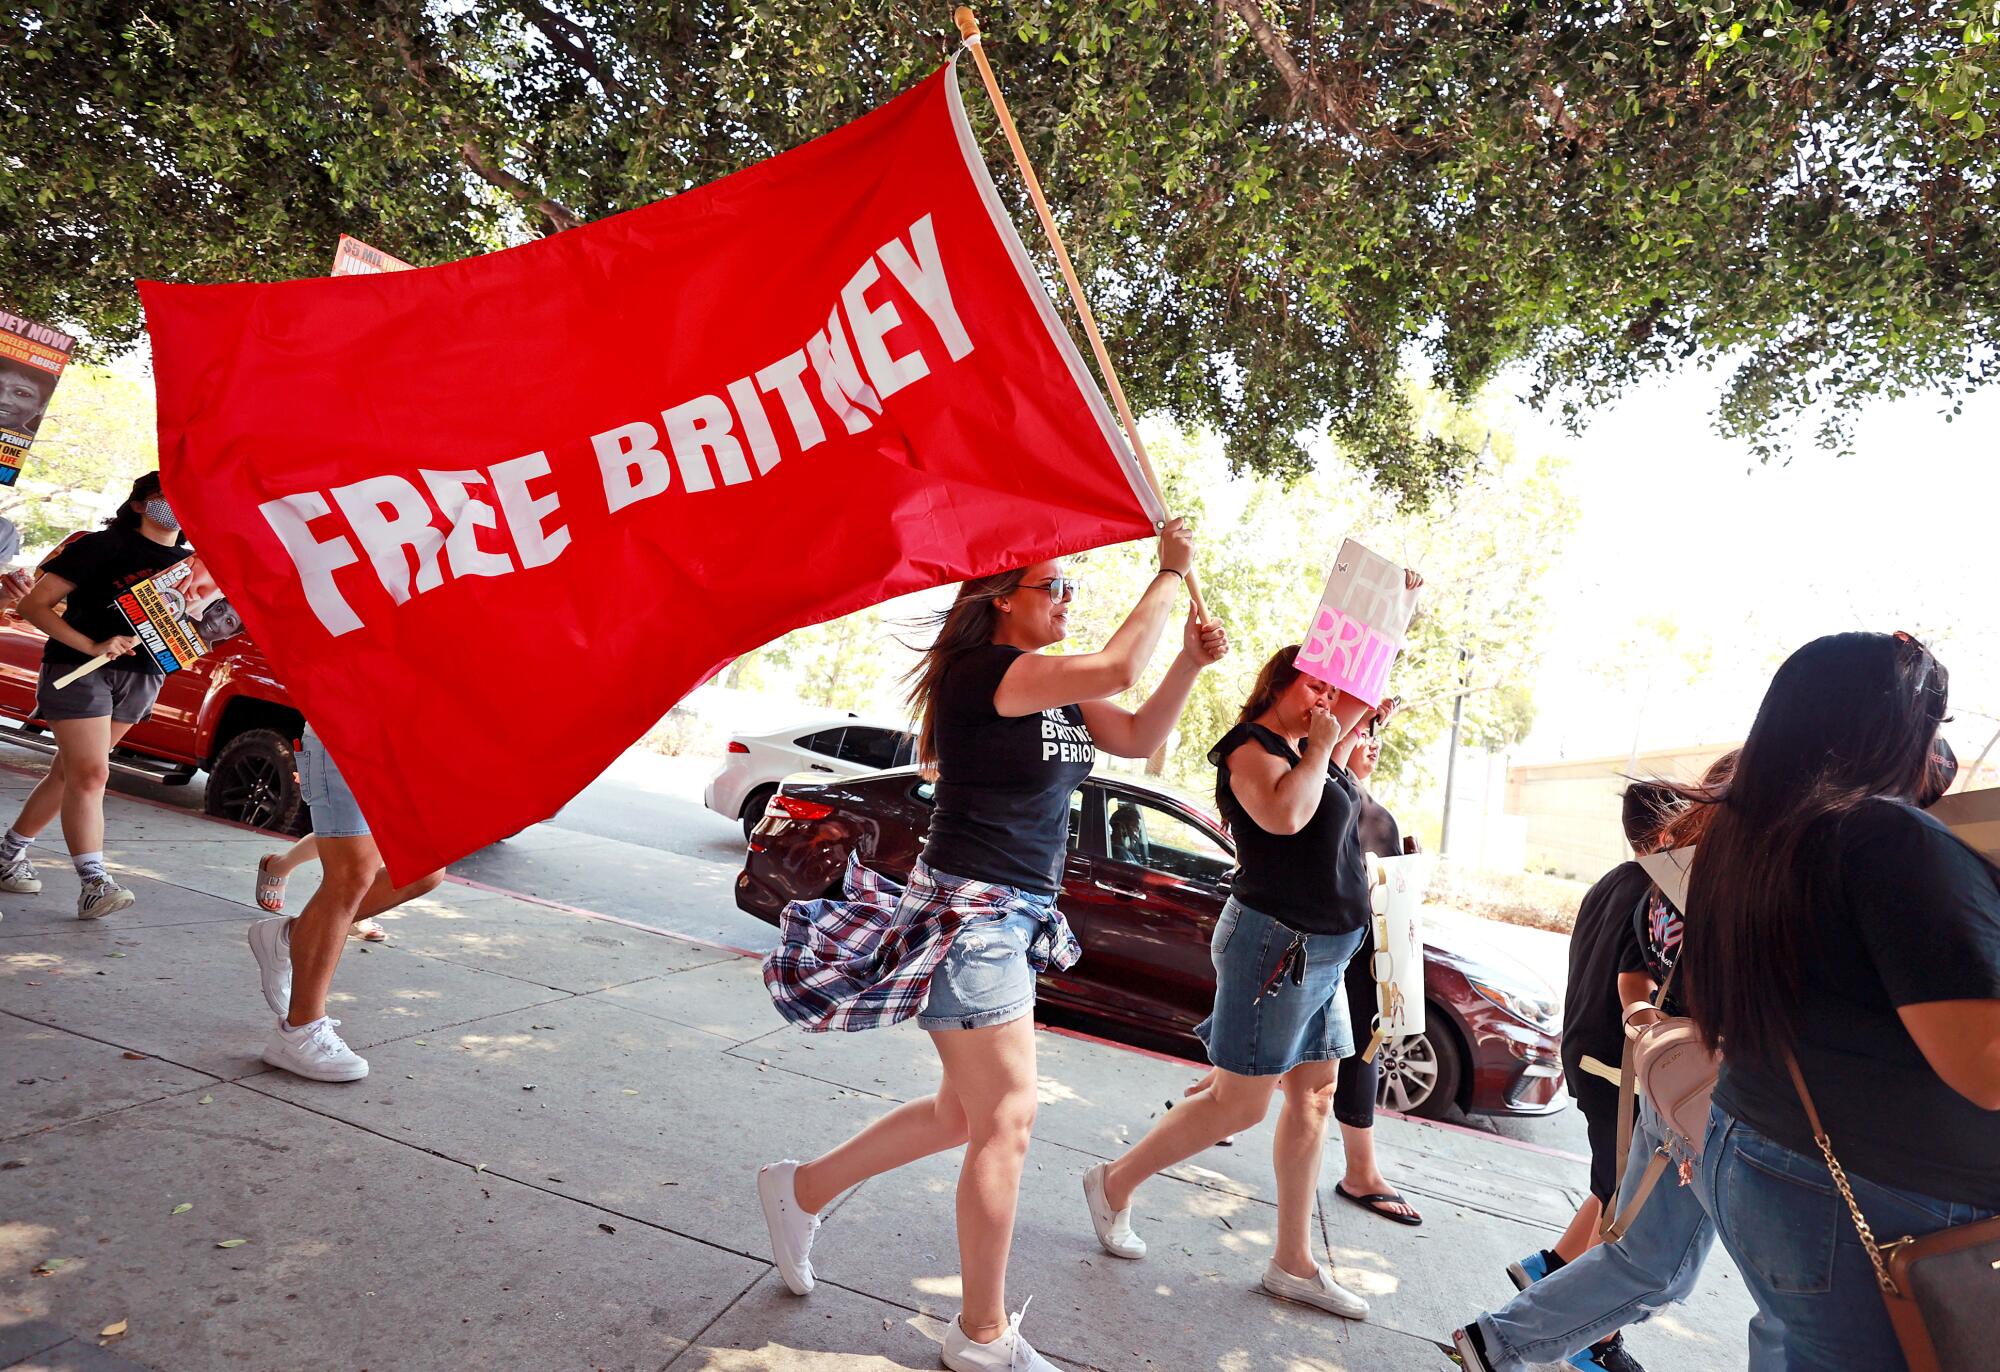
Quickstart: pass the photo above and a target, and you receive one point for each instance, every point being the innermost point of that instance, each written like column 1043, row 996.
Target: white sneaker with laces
column 102, row 896
column 1114, row 1227
column 315, row 1052
column 792, row 1229
column 271, row 945
column 1319, row 1290
column 1008, row 1353
column 18, row 877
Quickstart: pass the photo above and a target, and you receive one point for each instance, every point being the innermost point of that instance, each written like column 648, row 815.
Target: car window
column 1148, row 836
column 826, row 741
column 906, row 750
column 1076, row 820
column 869, row 747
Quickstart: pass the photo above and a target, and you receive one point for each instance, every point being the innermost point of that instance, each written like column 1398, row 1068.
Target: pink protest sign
column 1360, row 624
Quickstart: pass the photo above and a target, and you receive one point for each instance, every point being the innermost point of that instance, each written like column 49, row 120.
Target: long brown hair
column 1847, row 719
column 1277, row 674
column 1689, row 820
column 969, row 623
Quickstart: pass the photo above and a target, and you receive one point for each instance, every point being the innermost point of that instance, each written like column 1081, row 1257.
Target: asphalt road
column 593, row 853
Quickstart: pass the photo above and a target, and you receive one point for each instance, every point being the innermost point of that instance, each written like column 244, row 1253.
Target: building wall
column 1571, row 808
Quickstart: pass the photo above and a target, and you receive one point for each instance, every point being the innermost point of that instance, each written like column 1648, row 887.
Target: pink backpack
column 1668, row 1062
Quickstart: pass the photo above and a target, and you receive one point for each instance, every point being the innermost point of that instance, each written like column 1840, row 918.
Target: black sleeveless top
column 1314, row 880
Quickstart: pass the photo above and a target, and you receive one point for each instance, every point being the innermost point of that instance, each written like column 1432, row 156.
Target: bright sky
column 1678, row 522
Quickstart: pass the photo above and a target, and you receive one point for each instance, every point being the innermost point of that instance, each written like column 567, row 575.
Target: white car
column 843, row 746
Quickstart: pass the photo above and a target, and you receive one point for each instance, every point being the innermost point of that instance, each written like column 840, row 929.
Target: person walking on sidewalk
column 296, row 957
column 1012, row 732
column 275, row 869
column 1362, row 1183
column 1281, row 945
column 90, row 715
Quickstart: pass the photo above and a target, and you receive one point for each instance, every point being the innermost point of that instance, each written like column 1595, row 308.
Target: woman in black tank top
column 1011, row 732
column 1296, row 914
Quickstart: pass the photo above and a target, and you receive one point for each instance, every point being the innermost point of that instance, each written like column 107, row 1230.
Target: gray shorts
column 107, row 693
column 335, row 814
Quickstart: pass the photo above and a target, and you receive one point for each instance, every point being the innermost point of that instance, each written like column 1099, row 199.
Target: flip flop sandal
column 270, row 889
column 1375, row 1202
column 368, row 931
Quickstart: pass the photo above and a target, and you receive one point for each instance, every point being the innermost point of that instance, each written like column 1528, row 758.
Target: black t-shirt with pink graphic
column 1004, row 783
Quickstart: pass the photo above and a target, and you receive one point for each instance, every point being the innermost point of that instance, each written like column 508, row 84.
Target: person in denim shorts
column 1012, row 732
column 296, row 957
column 75, row 602
column 1296, row 915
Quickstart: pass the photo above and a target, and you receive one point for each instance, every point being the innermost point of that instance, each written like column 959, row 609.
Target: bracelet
column 1169, row 571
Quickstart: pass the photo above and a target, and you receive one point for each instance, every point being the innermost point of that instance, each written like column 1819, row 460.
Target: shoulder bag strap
column 1882, row 1277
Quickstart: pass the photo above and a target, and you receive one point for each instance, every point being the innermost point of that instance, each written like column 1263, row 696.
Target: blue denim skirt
column 1255, row 1033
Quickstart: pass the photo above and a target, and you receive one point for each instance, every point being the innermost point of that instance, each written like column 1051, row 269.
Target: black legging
column 1354, row 1086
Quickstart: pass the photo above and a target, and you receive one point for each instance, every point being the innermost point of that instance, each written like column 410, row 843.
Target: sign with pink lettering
column 1359, row 627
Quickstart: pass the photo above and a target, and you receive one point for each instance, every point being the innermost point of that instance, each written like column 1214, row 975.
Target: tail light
column 737, row 746
column 791, row 807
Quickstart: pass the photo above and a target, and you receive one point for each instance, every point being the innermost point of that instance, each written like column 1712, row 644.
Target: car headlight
column 1536, row 1011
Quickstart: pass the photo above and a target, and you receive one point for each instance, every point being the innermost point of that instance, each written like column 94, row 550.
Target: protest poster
column 1670, row 872
column 32, row 358
column 179, row 614
column 1975, row 817
column 1359, row 627
column 352, row 257
column 1397, row 886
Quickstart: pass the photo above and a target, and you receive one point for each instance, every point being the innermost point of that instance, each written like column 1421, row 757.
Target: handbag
column 1668, row 1062
column 1942, row 1290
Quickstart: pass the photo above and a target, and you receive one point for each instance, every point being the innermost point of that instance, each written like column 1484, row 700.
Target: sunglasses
column 1060, row 588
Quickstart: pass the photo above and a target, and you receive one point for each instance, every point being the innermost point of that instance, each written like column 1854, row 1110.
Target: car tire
column 255, row 781
column 753, row 807
column 1420, row 1075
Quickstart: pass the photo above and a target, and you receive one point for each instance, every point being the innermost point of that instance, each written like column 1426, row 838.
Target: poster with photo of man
column 32, row 358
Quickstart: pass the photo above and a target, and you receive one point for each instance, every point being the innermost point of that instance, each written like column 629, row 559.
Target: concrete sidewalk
column 551, row 1165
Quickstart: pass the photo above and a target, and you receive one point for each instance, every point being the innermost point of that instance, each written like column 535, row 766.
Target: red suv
column 1145, row 879
column 227, row 715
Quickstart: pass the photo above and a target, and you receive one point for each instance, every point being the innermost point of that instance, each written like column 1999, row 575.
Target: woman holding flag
column 1297, row 912
column 1011, row 732
column 75, row 602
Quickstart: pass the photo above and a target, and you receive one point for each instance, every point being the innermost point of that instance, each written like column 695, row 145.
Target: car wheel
column 753, row 807
column 1420, row 1074
column 255, row 781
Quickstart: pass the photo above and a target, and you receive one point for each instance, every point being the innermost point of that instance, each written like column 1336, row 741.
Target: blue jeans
column 1784, row 1222
column 1615, row 1284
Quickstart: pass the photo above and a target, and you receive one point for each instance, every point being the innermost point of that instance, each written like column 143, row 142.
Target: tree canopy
column 1281, row 206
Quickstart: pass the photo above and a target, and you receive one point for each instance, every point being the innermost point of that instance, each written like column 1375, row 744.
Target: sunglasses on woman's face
column 1060, row 588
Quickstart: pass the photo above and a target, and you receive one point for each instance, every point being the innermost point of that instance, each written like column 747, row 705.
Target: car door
column 1076, row 987
column 868, row 747
column 1153, row 896
column 819, row 751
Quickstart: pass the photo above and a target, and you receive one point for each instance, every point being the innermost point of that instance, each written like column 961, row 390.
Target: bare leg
column 84, row 749
column 1229, row 1104
column 914, row 1129
column 45, row 802
column 350, row 867
column 298, row 855
column 993, row 1071
column 383, row 896
column 1295, row 1154
column 1364, row 1174
column 1581, row 1236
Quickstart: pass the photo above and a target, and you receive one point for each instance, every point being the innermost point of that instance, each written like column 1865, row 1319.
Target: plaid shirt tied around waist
column 866, row 960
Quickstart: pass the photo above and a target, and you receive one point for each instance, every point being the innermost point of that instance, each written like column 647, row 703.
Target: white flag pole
column 968, row 28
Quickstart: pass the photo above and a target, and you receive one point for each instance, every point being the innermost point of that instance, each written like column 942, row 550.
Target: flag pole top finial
column 968, row 25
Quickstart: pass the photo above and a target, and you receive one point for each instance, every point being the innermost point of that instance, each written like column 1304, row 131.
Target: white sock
column 13, row 845
column 89, row 866
column 297, row 1030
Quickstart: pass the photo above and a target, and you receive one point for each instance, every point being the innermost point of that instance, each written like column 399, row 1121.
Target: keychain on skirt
column 1292, row 964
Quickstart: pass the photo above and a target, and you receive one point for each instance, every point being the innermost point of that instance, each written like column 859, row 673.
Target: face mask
column 161, row 513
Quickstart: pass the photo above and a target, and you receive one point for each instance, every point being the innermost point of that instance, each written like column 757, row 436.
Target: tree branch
column 1298, row 81
column 573, row 41
column 527, row 196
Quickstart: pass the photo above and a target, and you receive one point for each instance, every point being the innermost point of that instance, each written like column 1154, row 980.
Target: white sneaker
column 271, row 945
column 792, row 1229
column 18, row 877
column 315, row 1052
column 1008, row 1353
column 102, row 896
column 1114, row 1227
column 1320, row 1290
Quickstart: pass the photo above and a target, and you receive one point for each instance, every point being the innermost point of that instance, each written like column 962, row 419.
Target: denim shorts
column 1256, row 1035
column 123, row 697
column 985, row 977
column 334, row 813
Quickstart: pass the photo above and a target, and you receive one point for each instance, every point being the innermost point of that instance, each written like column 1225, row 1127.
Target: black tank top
column 1314, row 880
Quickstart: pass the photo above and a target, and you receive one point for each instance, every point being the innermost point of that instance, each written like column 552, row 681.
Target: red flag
column 490, row 520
